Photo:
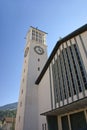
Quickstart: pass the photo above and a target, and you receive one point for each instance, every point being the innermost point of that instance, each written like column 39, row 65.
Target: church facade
column 53, row 92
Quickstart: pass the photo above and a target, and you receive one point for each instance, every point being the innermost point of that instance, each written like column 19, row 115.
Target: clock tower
column 35, row 57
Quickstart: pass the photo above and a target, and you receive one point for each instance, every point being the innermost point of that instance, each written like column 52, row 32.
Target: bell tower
column 35, row 57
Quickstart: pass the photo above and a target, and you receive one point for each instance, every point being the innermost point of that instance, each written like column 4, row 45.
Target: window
column 22, row 91
column 37, row 36
column 67, row 50
column 26, row 51
column 65, row 124
column 38, row 59
column 38, row 68
column 69, row 75
column 81, row 65
column 44, row 126
column 33, row 37
column 62, row 74
column 19, row 118
column 21, row 104
column 78, row 121
column 75, row 68
column 55, row 79
column 23, row 79
column 33, row 32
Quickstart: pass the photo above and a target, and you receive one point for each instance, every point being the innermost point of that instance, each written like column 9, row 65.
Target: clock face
column 39, row 50
column 26, row 51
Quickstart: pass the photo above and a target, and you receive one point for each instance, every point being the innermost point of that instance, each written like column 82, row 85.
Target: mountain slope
column 11, row 106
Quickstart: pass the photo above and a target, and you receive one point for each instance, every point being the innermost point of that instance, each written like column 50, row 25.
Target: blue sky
column 56, row 17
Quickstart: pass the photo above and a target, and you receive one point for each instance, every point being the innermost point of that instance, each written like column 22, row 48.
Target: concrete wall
column 44, row 98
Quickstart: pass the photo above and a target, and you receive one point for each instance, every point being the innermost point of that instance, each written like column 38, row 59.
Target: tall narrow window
column 23, row 79
column 19, row 118
column 65, row 124
column 38, row 68
column 81, row 65
column 22, row 91
column 42, row 126
column 21, row 104
column 78, row 121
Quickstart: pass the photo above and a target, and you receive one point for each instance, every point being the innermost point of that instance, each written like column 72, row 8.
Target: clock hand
column 39, row 49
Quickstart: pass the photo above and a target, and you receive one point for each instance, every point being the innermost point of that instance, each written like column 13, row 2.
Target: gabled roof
column 71, row 35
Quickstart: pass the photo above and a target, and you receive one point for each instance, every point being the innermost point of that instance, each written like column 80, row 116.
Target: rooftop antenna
column 60, row 38
column 36, row 28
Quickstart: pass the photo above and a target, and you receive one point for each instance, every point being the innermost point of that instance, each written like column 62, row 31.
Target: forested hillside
column 7, row 113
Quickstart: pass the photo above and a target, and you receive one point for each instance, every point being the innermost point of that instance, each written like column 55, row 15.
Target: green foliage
column 7, row 113
column 13, row 126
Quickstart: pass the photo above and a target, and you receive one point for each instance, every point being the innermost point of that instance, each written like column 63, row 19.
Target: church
column 53, row 91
